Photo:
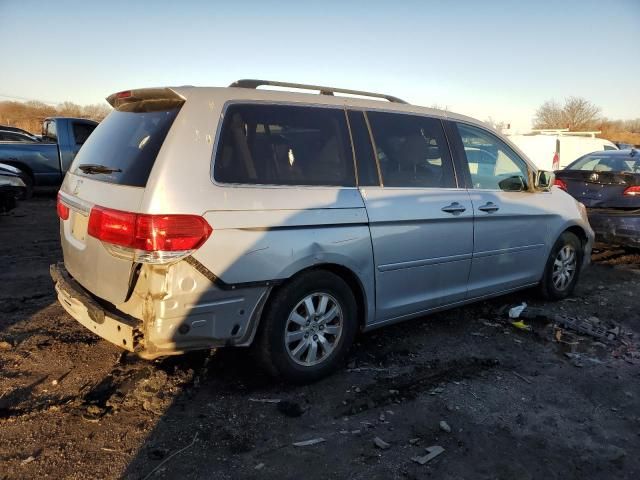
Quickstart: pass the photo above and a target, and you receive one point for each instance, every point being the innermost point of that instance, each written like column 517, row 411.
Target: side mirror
column 544, row 180
column 512, row 184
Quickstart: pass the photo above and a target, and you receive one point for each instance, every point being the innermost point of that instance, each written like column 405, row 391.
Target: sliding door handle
column 489, row 207
column 455, row 208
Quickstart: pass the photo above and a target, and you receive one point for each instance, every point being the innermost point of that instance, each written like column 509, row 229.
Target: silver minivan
column 198, row 218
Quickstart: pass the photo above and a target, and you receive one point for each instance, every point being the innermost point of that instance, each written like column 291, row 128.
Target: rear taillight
column 632, row 191
column 167, row 237
column 556, row 161
column 560, row 184
column 63, row 210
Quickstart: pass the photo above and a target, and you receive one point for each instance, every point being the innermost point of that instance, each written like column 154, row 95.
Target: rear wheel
column 308, row 327
column 563, row 268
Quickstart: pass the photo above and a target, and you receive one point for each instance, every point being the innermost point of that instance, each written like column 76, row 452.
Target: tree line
column 579, row 115
column 29, row 115
column 576, row 114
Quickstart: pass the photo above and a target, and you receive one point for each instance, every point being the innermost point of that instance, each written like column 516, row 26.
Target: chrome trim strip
column 389, row 267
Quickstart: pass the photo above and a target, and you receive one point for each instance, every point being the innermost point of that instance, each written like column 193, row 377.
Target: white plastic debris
column 432, row 452
column 308, row 443
column 380, row 443
column 444, row 426
column 515, row 312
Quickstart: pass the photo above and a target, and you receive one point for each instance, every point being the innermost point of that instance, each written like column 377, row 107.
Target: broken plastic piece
column 521, row 325
column 380, row 443
column 515, row 312
column 308, row 443
column 432, row 452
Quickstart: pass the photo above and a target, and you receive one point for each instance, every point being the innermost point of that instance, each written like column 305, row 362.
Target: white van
column 555, row 149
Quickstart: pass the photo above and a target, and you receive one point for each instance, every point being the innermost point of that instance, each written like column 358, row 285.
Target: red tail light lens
column 168, row 233
column 633, row 191
column 556, row 161
column 560, row 184
column 63, row 210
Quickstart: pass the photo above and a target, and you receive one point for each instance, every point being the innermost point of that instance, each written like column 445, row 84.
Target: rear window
column 607, row 163
column 123, row 148
column 284, row 145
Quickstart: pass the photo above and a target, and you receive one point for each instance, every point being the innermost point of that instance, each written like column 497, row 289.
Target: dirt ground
column 546, row 403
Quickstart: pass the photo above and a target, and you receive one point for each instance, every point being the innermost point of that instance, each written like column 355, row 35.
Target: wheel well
column 578, row 232
column 352, row 281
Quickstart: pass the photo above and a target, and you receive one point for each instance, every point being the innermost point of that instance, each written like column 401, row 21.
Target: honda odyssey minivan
column 197, row 218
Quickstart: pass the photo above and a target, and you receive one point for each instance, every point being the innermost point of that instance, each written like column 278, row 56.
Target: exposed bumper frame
column 114, row 328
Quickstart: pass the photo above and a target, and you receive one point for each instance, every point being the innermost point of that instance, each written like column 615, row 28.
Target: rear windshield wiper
column 92, row 168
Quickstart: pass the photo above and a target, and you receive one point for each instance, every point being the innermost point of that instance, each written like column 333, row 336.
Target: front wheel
column 308, row 327
column 563, row 268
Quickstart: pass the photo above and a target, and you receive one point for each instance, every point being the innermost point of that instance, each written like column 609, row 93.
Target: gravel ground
column 544, row 403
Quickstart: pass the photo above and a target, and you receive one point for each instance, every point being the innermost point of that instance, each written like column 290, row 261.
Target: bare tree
column 580, row 114
column 576, row 114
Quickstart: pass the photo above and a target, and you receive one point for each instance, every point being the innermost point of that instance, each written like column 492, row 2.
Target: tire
column 552, row 286
column 288, row 315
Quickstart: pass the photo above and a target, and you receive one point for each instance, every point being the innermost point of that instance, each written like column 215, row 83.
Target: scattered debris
column 259, row 466
column 195, row 437
column 521, row 325
column 381, row 443
column 413, row 441
column 491, row 324
column 265, row 400
column 382, row 417
column 432, row 452
column 523, row 378
column 515, row 312
column 29, row 459
column 444, row 426
column 308, row 443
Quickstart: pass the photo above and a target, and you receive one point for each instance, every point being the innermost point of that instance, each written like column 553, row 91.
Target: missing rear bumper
column 114, row 328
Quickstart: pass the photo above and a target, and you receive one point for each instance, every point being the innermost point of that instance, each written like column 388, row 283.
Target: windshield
column 123, row 148
column 607, row 163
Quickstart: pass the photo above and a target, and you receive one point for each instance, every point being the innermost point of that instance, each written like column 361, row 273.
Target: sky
column 498, row 59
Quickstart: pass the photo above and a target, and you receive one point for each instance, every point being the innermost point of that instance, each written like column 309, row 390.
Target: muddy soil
column 539, row 403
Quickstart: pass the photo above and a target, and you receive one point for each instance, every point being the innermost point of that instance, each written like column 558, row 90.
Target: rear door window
column 411, row 150
column 284, row 145
column 123, row 148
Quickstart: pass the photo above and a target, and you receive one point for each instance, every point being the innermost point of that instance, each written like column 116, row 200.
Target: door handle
column 489, row 207
column 455, row 208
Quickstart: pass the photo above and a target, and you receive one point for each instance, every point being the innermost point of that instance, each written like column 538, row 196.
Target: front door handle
column 489, row 207
column 455, row 208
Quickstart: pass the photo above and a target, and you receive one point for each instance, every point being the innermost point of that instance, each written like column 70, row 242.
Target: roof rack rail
column 250, row 83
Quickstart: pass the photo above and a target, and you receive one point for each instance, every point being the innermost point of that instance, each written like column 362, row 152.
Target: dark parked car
column 11, row 136
column 8, row 128
column 608, row 184
column 44, row 163
column 11, row 187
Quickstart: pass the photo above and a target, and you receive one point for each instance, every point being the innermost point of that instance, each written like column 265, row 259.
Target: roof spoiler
column 145, row 99
column 250, row 83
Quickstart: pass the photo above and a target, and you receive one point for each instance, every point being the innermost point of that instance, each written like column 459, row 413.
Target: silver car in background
column 209, row 217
